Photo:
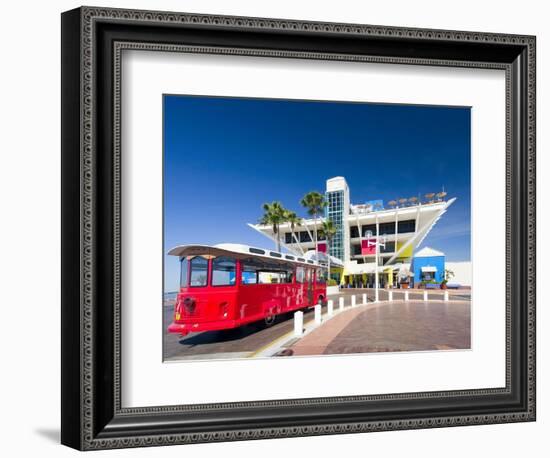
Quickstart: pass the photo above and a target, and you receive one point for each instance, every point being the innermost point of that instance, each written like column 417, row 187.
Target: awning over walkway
column 370, row 268
column 367, row 268
column 428, row 269
column 323, row 258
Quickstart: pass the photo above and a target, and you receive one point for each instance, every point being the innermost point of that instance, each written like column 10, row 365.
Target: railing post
column 446, row 295
column 317, row 313
column 341, row 304
column 406, row 295
column 390, row 296
column 353, row 301
column 425, row 295
column 298, row 323
column 330, row 308
column 364, row 298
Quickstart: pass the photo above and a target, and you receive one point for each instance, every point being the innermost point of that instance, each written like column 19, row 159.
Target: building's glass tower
column 334, row 212
column 337, row 196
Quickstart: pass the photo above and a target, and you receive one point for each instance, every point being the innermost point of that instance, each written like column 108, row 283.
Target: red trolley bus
column 226, row 286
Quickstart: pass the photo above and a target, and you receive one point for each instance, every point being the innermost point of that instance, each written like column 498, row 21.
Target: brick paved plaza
column 390, row 327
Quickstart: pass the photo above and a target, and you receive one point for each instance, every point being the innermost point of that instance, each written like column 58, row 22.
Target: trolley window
column 223, row 271
column 300, row 274
column 199, row 271
column 184, row 272
column 256, row 271
column 321, row 275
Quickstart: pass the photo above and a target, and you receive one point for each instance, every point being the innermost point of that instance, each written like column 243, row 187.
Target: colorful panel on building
column 368, row 247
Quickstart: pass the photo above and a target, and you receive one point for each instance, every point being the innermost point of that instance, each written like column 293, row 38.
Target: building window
column 223, row 271
column 386, row 228
column 428, row 276
column 354, row 232
column 389, row 228
column 368, row 228
column 406, row 226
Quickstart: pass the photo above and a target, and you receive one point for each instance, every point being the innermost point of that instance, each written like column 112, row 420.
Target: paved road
column 232, row 343
column 243, row 341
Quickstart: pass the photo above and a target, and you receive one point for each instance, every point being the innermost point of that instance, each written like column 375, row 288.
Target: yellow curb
column 273, row 342
column 266, row 346
column 278, row 339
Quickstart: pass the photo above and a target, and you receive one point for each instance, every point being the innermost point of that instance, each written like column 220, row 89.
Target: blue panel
column 433, row 261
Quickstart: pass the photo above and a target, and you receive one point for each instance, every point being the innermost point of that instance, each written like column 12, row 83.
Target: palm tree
column 274, row 215
column 294, row 220
column 315, row 203
column 329, row 231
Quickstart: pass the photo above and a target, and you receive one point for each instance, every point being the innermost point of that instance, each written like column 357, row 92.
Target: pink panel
column 366, row 249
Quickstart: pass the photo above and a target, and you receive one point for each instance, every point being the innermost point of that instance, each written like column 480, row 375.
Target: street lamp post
column 377, row 243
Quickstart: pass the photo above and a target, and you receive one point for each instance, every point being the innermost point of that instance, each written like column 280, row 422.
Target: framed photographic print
column 278, row 228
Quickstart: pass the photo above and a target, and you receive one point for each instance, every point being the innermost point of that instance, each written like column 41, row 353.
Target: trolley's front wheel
column 270, row 320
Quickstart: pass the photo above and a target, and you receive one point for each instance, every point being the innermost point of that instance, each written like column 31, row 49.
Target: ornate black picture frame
column 92, row 42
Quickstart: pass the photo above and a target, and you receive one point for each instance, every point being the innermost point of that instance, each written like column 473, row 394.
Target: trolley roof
column 238, row 251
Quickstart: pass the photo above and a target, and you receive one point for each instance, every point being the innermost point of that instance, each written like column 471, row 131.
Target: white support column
column 364, row 298
column 298, row 242
column 298, row 323
column 317, row 313
column 376, row 273
column 425, row 295
column 330, row 308
column 310, row 234
column 446, row 295
column 341, row 303
column 421, row 232
column 390, row 296
column 406, row 295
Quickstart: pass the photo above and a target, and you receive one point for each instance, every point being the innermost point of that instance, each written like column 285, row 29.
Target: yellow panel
column 342, row 279
column 407, row 252
column 389, row 273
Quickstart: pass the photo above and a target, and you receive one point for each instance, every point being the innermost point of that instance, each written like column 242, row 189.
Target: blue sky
column 225, row 157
